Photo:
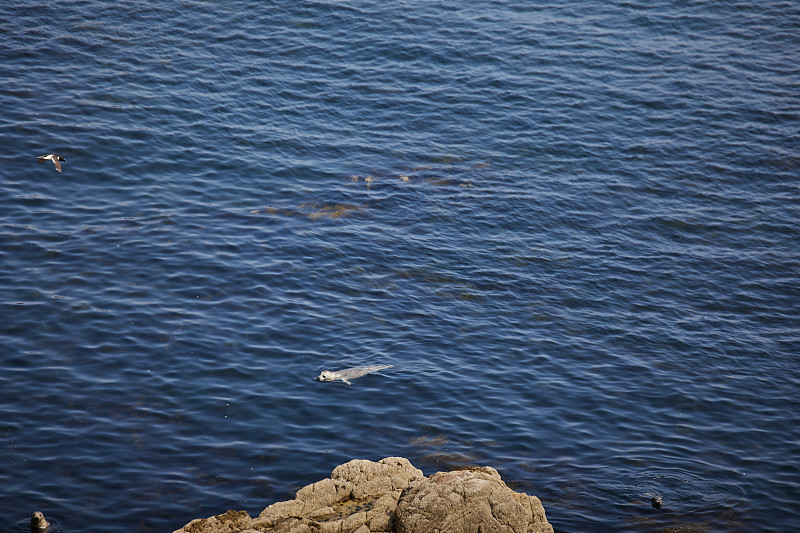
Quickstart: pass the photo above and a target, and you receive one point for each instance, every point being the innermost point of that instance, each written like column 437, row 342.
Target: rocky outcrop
column 468, row 501
column 392, row 496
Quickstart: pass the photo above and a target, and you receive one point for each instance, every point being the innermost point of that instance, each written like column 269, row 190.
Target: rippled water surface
column 572, row 227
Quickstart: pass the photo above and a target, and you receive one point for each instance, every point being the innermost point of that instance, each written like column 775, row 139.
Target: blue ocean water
column 572, row 227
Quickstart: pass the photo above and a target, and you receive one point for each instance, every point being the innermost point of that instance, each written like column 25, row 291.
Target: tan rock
column 468, row 501
column 228, row 522
column 371, row 479
column 391, row 495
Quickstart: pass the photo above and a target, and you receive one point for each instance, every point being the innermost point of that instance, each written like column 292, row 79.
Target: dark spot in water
column 657, row 501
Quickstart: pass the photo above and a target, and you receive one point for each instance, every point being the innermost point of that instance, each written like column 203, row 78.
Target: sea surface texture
column 573, row 228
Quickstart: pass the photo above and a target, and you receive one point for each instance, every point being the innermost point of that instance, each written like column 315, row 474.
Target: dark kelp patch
column 314, row 210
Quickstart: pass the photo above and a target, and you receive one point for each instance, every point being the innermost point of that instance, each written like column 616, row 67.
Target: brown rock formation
column 468, row 501
column 391, row 496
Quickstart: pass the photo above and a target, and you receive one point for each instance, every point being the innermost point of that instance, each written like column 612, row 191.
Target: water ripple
column 569, row 227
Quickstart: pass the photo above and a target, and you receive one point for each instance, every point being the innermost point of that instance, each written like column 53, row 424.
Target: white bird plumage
column 55, row 158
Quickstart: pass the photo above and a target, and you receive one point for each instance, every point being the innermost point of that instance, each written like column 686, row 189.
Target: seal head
column 657, row 501
column 326, row 375
column 38, row 522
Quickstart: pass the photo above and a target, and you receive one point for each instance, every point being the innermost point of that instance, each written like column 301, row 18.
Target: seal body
column 38, row 522
column 349, row 373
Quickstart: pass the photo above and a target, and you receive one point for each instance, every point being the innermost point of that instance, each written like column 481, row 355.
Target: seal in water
column 657, row 501
column 55, row 158
column 350, row 373
column 38, row 522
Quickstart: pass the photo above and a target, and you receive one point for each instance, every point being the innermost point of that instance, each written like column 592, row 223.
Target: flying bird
column 55, row 158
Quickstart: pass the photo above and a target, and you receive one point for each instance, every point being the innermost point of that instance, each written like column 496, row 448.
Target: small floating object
column 657, row 501
column 39, row 522
column 55, row 158
column 349, row 373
